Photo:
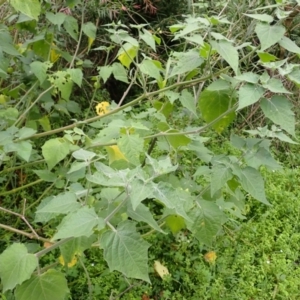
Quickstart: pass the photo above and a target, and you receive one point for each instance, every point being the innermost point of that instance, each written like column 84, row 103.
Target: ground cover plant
column 107, row 145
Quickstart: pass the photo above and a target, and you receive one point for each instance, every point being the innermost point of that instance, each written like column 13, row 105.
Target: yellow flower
column 102, row 108
column 210, row 257
column 71, row 263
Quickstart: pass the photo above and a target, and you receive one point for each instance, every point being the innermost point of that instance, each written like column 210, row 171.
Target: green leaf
column 46, row 175
column 39, row 69
column 219, row 176
column 25, row 132
column 289, row 45
column 6, row 45
column 16, row 266
column 149, row 67
column 175, row 223
column 266, row 57
column 54, row 151
column 171, row 197
column 187, row 62
column 24, row 150
column 75, row 246
column 76, row 76
column 71, row 27
column 253, row 183
column 275, row 85
column 125, row 251
column 84, row 155
column 119, row 72
column 261, row 17
column 147, row 37
column 131, row 146
column 90, row 30
column 138, row 191
column 279, row 110
column 187, row 100
column 30, row 8
column 227, row 52
column 47, row 286
column 213, row 104
column 248, row 77
column 207, row 221
column 60, row 204
column 79, row 223
column 269, row 35
column 56, row 19
column 105, row 72
column 142, row 214
column 249, row 94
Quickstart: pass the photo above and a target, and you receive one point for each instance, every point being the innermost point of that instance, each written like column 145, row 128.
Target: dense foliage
column 113, row 121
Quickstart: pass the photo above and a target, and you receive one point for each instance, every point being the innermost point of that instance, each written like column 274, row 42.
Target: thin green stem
column 21, row 187
column 54, row 246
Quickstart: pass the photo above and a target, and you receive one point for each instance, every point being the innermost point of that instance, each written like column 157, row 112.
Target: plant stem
column 21, row 187
column 54, row 246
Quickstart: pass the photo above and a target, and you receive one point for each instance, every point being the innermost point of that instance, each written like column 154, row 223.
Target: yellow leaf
column 210, row 257
column 127, row 55
column 71, row 263
column 54, row 56
column 160, row 269
column 90, row 42
column 114, row 153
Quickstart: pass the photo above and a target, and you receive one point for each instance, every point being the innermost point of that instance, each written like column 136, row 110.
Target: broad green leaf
column 7, row 46
column 76, row 246
column 60, row 204
column 276, row 86
column 266, row 57
column 125, row 251
column 84, row 155
column 25, row 132
column 187, row 100
column 219, row 85
column 261, row 158
column 148, row 38
column 54, row 151
column 228, row 53
column 90, row 30
column 120, row 72
column 279, row 110
column 175, row 223
column 48, row 286
column 177, row 141
column 39, row 69
column 269, row 34
column 46, row 175
column 79, row 223
column 142, row 214
column 186, row 62
column 127, row 54
column 219, row 176
column 56, row 19
column 249, row 94
column 289, row 45
column 261, row 17
column 172, row 198
column 139, row 191
column 162, row 166
column 207, row 221
column 253, row 183
column 105, row 72
column 30, row 8
column 45, row 123
column 24, row 149
column 131, row 146
column 213, row 104
column 248, row 77
column 71, row 27
column 16, row 265
column 76, row 76
column 148, row 67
